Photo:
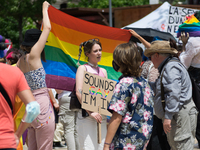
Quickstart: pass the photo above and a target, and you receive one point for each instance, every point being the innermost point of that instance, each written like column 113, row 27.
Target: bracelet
column 107, row 143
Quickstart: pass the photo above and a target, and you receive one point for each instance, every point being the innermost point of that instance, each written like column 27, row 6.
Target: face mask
column 115, row 66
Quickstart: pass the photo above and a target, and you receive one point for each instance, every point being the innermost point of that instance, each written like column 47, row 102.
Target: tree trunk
column 20, row 29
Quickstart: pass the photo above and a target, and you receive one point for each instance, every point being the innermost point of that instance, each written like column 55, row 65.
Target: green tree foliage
column 16, row 16
column 105, row 3
column 8, row 28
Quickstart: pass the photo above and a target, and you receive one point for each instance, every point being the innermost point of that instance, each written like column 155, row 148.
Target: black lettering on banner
column 93, row 99
column 170, row 8
column 181, row 20
column 184, row 11
column 86, row 76
column 111, row 85
column 106, row 85
column 177, row 19
column 85, row 98
column 101, row 83
column 169, row 28
column 91, row 80
column 190, row 11
column 171, row 20
column 176, row 28
column 102, row 106
column 176, row 11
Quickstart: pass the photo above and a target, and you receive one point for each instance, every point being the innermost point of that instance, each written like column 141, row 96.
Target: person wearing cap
column 190, row 57
column 41, row 131
column 173, row 104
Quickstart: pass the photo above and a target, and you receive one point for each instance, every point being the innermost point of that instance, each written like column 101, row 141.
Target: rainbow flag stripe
column 62, row 47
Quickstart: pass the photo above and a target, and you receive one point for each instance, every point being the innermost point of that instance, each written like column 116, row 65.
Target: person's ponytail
column 80, row 51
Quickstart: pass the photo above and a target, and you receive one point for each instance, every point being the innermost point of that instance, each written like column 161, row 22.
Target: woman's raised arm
column 143, row 41
column 39, row 46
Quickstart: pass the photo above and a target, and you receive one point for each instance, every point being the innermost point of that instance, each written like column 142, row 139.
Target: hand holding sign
column 96, row 116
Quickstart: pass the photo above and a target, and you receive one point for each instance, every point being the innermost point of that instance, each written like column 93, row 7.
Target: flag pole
column 110, row 13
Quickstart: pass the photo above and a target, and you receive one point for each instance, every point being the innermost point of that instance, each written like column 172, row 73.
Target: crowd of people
column 152, row 105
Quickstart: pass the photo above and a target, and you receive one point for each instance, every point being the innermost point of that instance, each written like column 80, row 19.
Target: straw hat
column 160, row 47
column 31, row 37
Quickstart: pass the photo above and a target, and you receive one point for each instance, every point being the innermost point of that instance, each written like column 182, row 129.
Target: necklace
column 92, row 65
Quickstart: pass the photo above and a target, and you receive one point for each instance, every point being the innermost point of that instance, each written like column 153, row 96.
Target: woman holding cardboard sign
column 131, row 105
column 87, row 126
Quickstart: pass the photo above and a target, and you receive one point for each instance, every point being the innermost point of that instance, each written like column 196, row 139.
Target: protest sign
column 176, row 15
column 97, row 92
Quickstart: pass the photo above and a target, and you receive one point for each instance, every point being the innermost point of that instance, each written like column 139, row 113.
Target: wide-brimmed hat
column 31, row 37
column 160, row 47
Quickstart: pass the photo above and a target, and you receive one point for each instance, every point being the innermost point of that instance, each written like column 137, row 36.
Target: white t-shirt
column 191, row 56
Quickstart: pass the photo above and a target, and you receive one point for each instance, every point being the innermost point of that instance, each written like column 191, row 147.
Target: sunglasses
column 92, row 40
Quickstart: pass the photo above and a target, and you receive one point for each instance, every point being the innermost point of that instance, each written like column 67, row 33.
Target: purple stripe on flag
column 60, row 82
column 191, row 34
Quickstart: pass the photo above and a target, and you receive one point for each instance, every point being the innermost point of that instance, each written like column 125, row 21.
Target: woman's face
column 95, row 54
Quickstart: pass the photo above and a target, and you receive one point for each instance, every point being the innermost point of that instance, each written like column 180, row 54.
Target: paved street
column 25, row 148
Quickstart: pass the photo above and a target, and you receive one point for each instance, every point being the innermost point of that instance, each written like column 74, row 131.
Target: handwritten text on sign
column 176, row 15
column 97, row 91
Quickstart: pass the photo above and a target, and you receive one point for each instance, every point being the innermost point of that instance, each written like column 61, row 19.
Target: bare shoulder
column 82, row 68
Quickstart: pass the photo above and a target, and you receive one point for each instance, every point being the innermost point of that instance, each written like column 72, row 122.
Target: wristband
column 107, row 143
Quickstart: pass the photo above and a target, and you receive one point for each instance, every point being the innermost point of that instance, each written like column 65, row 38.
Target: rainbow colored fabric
column 191, row 25
column 18, row 113
column 62, row 47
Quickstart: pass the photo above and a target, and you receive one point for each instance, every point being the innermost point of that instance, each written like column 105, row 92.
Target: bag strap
column 162, row 92
column 5, row 95
column 162, row 87
column 74, row 89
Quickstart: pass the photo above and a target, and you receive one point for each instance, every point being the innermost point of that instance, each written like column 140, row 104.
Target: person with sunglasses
column 87, row 126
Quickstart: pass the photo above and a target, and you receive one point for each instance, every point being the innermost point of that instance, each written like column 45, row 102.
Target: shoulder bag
column 75, row 105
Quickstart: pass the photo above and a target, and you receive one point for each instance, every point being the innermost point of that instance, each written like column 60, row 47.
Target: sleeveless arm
column 79, row 81
column 39, row 46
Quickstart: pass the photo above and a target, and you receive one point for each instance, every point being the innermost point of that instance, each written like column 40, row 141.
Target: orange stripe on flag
column 76, row 37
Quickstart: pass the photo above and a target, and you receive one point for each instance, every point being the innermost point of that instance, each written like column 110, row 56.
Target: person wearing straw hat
column 173, row 96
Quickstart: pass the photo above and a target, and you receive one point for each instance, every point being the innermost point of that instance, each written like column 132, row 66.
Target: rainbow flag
column 62, row 47
column 18, row 113
column 191, row 25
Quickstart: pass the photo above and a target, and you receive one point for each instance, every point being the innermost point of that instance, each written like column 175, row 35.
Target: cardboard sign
column 97, row 91
column 176, row 15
